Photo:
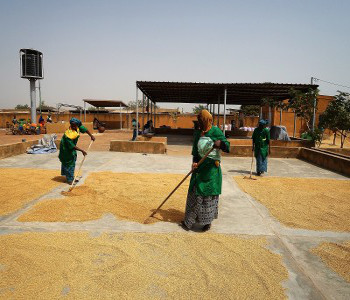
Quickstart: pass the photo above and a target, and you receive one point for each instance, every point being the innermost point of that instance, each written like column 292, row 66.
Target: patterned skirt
column 68, row 171
column 200, row 209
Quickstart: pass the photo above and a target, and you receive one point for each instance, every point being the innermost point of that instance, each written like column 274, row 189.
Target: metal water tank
column 31, row 64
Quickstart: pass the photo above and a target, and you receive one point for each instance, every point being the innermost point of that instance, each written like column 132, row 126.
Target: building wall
column 181, row 121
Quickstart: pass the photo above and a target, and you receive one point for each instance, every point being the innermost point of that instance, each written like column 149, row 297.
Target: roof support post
column 225, row 98
column 143, row 110
column 260, row 116
column 281, row 116
column 314, row 110
column 137, row 111
column 270, row 115
column 295, row 123
column 84, row 111
column 218, row 121
column 154, row 117
column 147, row 108
column 213, row 112
column 120, row 116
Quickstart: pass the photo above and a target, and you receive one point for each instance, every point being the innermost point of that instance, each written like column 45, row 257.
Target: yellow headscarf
column 207, row 120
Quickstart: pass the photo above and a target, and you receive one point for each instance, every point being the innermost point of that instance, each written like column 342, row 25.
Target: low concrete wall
column 343, row 151
column 161, row 139
column 62, row 127
column 276, row 152
column 15, row 149
column 291, row 144
column 138, row 147
column 326, row 160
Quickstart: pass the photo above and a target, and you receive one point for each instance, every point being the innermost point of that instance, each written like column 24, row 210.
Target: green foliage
column 250, row 110
column 20, row 106
column 337, row 116
column 44, row 106
column 196, row 110
column 313, row 135
column 302, row 103
column 132, row 105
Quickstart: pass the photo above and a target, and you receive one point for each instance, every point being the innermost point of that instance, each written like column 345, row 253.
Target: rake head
column 250, row 177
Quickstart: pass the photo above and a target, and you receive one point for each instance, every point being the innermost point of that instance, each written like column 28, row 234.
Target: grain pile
column 20, row 186
column 336, row 256
column 138, row 266
column 315, row 204
column 129, row 196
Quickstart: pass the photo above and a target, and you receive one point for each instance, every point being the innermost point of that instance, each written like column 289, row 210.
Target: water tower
column 31, row 62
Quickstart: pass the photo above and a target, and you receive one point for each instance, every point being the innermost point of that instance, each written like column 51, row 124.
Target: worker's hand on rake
column 84, row 152
column 194, row 166
column 217, row 144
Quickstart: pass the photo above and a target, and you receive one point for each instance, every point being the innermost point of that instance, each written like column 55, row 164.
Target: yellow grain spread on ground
column 336, row 256
column 127, row 196
column 138, row 266
column 315, row 204
column 20, row 186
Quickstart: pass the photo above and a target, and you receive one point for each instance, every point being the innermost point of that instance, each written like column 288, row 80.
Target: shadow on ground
column 61, row 179
column 169, row 215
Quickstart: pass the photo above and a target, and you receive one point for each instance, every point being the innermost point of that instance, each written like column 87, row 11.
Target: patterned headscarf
column 263, row 122
column 75, row 121
column 73, row 134
column 207, row 120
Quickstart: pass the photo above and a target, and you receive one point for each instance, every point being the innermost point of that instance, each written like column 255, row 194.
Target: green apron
column 68, row 154
column 261, row 139
column 208, row 177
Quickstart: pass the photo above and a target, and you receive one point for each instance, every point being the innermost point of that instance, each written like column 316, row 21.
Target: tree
column 44, row 106
column 132, row 105
column 250, row 110
column 20, row 106
column 302, row 103
column 196, row 110
column 337, row 117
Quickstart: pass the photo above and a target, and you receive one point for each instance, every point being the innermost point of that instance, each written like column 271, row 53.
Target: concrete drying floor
column 239, row 215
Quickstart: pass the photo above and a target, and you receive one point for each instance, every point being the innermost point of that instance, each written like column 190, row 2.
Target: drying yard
column 282, row 236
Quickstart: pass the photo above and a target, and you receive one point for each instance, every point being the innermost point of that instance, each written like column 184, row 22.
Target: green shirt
column 208, row 177
column 261, row 140
column 68, row 155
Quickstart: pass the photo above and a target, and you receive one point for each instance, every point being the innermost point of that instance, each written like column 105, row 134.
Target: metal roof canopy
column 208, row 93
column 105, row 103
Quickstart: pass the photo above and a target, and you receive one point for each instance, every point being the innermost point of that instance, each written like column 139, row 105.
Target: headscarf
column 207, row 120
column 75, row 121
column 263, row 122
column 72, row 134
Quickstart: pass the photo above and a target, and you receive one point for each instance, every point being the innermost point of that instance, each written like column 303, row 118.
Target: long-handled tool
column 251, row 169
column 81, row 164
column 181, row 182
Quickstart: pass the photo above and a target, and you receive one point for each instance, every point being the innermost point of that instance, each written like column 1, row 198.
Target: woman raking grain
column 69, row 148
column 206, row 181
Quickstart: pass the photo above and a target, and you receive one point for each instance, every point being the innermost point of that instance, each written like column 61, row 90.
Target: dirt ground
column 328, row 142
column 336, row 256
column 127, row 196
column 138, row 266
column 11, row 139
column 315, row 204
column 20, row 186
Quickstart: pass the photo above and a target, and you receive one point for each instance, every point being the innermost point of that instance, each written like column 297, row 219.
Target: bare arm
column 91, row 135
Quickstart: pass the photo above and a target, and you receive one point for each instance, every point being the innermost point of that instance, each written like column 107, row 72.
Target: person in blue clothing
column 261, row 146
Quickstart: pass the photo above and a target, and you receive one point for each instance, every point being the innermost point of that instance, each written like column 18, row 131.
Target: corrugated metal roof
column 105, row 103
column 237, row 93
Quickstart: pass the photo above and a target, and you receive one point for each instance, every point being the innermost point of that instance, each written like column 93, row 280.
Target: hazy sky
column 98, row 49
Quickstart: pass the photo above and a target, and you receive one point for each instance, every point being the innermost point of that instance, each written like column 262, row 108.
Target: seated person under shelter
column 148, row 127
column 68, row 148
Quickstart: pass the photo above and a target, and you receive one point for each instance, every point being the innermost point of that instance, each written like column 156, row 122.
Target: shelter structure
column 213, row 94
column 105, row 103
